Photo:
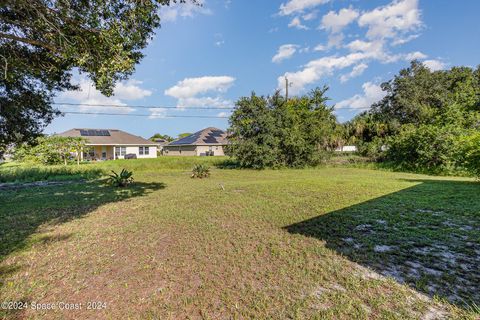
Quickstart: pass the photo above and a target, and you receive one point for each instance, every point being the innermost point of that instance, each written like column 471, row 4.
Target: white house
column 111, row 144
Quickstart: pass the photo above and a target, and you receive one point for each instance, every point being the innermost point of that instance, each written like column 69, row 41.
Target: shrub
column 200, row 171
column 426, row 148
column 121, row 180
column 272, row 132
column 470, row 154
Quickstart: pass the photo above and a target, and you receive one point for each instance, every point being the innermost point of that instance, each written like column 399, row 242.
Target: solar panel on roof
column 216, row 133
column 94, row 133
column 210, row 139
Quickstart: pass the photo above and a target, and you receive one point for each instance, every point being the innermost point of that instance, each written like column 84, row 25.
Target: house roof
column 106, row 137
column 208, row 136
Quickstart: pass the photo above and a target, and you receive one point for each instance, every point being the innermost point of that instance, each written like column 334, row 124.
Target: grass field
column 325, row 243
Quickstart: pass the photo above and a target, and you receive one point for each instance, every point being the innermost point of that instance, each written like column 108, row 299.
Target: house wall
column 180, row 150
column 129, row 149
column 192, row 150
column 217, row 150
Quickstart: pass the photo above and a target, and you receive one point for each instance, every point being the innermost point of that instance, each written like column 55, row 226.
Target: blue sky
column 210, row 56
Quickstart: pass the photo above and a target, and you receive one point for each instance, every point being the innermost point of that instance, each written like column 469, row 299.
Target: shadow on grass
column 427, row 236
column 23, row 211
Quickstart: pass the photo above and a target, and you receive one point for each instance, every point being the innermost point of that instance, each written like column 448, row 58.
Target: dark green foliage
column 121, row 180
column 42, row 41
column 422, row 119
column 470, row 153
column 272, row 132
column 426, row 148
column 165, row 137
column 200, row 171
column 183, row 135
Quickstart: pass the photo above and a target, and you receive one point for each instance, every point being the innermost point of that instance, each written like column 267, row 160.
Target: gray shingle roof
column 208, row 136
column 115, row 137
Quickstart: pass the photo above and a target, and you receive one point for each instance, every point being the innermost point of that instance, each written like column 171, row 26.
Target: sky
column 210, row 56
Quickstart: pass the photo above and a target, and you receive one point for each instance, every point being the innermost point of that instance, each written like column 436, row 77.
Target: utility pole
column 287, row 84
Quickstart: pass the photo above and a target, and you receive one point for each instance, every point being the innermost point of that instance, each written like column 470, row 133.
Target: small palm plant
column 121, row 180
column 200, row 171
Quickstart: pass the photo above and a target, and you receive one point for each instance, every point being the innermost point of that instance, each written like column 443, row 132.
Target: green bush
column 470, row 154
column 272, row 132
column 121, row 180
column 373, row 149
column 200, row 171
column 426, row 148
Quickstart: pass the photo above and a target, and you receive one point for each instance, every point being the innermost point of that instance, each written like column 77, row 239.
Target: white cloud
column 374, row 49
column 434, row 65
column 191, row 87
column 400, row 16
column 88, row 95
column 157, row 113
column 285, row 51
column 335, row 22
column 223, row 114
column 400, row 41
column 295, row 6
column 316, row 69
column 297, row 23
column 320, row 47
column 356, row 71
column 417, row 55
column 191, row 92
column 371, row 93
column 310, row 16
column 384, row 27
column 188, row 9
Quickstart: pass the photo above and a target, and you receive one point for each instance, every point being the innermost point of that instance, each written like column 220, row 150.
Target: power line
column 137, row 107
column 140, row 115
column 169, row 107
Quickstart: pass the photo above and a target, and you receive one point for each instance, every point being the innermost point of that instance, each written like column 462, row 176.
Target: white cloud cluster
column 284, row 52
column 184, row 10
column 299, row 6
column 335, row 22
column 191, row 92
column 388, row 21
column 417, row 55
column 434, row 65
column 128, row 90
column 356, row 71
column 297, row 23
column 371, row 93
column 385, row 27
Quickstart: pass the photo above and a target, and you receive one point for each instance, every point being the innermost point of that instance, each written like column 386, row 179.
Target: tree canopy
column 43, row 41
column 424, row 120
column 165, row 137
column 273, row 132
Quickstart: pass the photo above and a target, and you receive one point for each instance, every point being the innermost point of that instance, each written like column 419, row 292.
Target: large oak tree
column 43, row 41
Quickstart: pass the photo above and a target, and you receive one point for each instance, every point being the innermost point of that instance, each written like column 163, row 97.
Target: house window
column 120, row 151
column 143, row 151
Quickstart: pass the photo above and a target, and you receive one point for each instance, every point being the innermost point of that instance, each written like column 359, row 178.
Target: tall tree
column 272, row 131
column 43, row 41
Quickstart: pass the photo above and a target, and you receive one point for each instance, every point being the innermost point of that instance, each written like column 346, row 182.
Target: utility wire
column 141, row 115
column 169, row 107
column 137, row 107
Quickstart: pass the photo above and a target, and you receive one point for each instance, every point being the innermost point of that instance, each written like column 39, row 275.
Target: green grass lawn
column 325, row 243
